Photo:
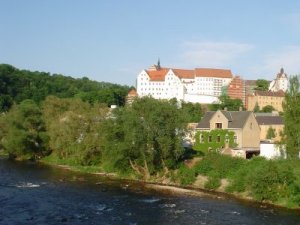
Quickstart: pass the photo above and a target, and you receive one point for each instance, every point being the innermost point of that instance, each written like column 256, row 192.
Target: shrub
column 213, row 181
column 224, row 166
column 186, row 175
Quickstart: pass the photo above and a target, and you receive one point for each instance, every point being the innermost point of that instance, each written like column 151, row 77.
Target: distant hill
column 17, row 85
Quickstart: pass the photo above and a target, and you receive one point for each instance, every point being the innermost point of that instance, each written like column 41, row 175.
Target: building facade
column 236, row 89
column 201, row 85
column 264, row 98
column 268, row 121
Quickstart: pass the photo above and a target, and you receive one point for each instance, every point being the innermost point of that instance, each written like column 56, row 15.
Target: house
column 267, row 121
column 241, row 124
column 200, row 85
column 132, row 94
column 264, row 98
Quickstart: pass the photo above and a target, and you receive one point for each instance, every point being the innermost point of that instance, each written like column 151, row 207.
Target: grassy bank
column 274, row 182
column 270, row 181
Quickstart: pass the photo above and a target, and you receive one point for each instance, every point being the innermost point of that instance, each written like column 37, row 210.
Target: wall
column 263, row 101
column 264, row 131
column 251, row 133
column 271, row 151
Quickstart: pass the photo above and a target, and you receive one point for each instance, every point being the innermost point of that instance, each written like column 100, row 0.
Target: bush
column 224, row 166
column 213, row 181
column 186, row 175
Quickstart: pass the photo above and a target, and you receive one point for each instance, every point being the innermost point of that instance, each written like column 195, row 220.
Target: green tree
column 271, row 133
column 256, row 108
column 227, row 102
column 25, row 136
column 146, row 137
column 5, row 103
column 192, row 112
column 291, row 107
column 74, row 128
column 262, row 85
column 268, row 109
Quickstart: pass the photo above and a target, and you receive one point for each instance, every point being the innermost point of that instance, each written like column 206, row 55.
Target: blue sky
column 114, row 40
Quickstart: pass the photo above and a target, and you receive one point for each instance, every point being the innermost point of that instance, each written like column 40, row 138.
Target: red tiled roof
column 279, row 93
column 157, row 75
column 250, row 82
column 208, row 72
column 184, row 74
column 132, row 92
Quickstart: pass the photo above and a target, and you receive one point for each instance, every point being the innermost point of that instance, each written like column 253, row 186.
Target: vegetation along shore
column 64, row 121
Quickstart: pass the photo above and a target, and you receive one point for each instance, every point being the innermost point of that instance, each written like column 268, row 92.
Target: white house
column 202, row 85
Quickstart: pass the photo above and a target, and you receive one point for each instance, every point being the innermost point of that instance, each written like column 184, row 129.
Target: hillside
column 17, row 85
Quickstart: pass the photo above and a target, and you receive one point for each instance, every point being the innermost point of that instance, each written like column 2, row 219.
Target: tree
column 271, row 133
column 146, row 137
column 5, row 103
column 268, row 109
column 75, row 129
column 192, row 112
column 227, row 102
column 256, row 108
column 262, row 85
column 291, row 108
column 25, row 136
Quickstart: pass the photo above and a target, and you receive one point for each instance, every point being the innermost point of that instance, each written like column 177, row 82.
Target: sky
column 114, row 40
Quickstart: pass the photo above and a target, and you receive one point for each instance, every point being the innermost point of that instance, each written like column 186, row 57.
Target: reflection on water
column 38, row 194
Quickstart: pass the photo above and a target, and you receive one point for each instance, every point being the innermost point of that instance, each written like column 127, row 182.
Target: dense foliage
column 262, row 85
column 192, row 112
column 227, row 102
column 17, row 85
column 145, row 137
column 213, row 140
column 23, row 131
column 291, row 109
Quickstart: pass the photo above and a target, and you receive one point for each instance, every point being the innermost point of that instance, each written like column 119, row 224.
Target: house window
column 209, row 138
column 218, row 125
column 235, row 139
column 218, row 138
column 201, row 138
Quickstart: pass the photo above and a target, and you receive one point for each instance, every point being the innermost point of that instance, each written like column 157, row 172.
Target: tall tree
column 74, row 128
column 146, row 137
column 192, row 112
column 291, row 108
column 25, row 136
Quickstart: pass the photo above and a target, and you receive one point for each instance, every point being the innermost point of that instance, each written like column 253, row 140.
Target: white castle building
column 280, row 83
column 201, row 85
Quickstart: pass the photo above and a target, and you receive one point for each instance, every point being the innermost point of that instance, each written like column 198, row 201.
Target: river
column 40, row 194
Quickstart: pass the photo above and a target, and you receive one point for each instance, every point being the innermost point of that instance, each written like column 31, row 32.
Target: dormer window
column 218, row 126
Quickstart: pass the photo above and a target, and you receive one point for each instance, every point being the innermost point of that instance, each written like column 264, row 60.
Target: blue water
column 39, row 194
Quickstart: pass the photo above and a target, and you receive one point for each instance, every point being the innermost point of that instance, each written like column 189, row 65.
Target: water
column 38, row 194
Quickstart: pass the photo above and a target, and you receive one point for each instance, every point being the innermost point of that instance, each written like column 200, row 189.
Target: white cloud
column 288, row 58
column 213, row 54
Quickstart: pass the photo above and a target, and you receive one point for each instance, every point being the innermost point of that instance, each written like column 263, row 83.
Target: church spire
column 158, row 64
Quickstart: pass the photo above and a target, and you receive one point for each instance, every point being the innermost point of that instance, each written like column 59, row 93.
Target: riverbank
column 170, row 187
